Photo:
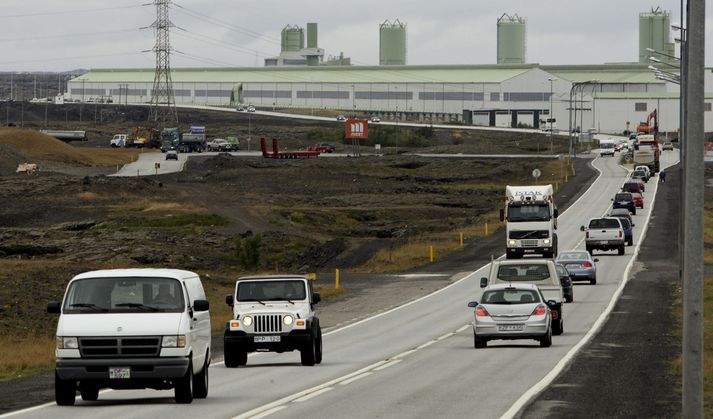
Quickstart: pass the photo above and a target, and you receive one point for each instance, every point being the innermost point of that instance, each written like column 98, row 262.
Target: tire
column 479, row 343
column 593, row 281
column 546, row 341
column 569, row 299
column 89, row 392
column 65, row 391
column 621, row 250
column 318, row 347
column 558, row 327
column 183, row 387
column 234, row 357
column 630, row 242
column 634, row 211
column 200, row 381
column 307, row 353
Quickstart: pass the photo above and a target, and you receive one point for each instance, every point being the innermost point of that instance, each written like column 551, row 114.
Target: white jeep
column 272, row 314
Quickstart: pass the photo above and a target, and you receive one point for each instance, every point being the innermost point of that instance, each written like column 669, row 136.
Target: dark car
column 624, row 200
column 566, row 282
column 621, row 213
column 633, row 185
column 628, row 231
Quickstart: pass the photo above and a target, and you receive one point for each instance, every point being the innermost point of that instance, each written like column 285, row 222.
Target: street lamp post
column 551, row 79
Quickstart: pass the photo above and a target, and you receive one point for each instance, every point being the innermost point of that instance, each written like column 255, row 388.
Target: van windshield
column 124, row 295
column 285, row 290
column 524, row 272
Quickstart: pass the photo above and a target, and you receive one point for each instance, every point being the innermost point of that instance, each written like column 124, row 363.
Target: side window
column 640, row 106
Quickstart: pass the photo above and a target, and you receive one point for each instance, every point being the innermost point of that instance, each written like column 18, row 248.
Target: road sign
column 357, row 129
column 536, row 173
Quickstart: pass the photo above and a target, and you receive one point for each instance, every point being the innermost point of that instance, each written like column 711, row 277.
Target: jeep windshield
column 285, row 290
column 517, row 212
column 525, row 272
column 124, row 295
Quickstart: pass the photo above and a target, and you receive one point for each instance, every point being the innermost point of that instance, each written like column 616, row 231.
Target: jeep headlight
column 174, row 341
column 511, row 242
column 287, row 320
column 546, row 241
column 64, row 342
column 247, row 321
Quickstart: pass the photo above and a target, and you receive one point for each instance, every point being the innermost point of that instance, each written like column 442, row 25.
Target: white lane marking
column 358, row 377
column 564, row 362
column 426, row 345
column 387, row 365
column 420, row 275
column 268, row 412
column 405, row 354
column 313, row 395
column 463, row 328
column 446, row 336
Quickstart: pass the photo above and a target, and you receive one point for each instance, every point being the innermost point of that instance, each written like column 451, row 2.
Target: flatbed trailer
column 277, row 154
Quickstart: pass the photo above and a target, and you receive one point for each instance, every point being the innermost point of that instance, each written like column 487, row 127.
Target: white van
column 132, row 329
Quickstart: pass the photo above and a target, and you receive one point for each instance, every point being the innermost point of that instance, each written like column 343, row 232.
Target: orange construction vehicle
column 647, row 127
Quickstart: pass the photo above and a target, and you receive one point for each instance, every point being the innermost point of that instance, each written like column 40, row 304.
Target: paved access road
column 417, row 360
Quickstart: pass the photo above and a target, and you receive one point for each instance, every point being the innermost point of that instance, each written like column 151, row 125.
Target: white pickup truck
column 604, row 234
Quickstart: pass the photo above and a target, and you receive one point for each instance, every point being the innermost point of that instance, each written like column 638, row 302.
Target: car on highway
column 219, row 144
column 638, row 200
column 512, row 311
column 323, row 148
column 240, row 108
column 607, row 149
column 580, row 265
column 132, row 329
column 634, row 185
column 341, row 118
column 628, row 227
column 251, row 108
column 624, row 200
column 621, row 213
column 172, row 155
column 566, row 283
column 605, row 233
column 667, row 146
column 645, row 169
column 375, row 119
column 640, row 174
column 272, row 313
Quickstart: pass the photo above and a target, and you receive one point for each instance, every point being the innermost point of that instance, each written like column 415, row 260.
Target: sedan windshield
column 122, row 295
column 511, row 296
column 285, row 290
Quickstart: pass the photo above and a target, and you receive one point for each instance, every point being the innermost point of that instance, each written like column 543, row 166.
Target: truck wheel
column 621, row 250
column 89, row 392
column 200, row 381
column 183, row 387
column 65, row 391
column 546, row 341
column 479, row 343
column 307, row 353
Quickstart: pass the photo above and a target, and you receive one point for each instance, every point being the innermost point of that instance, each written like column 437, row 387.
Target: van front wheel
column 200, row 381
column 65, row 391
column 183, row 390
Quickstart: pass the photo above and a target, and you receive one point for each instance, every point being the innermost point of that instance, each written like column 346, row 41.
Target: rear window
column 524, row 272
column 604, row 223
column 632, row 187
column 573, row 256
column 511, row 296
column 623, row 197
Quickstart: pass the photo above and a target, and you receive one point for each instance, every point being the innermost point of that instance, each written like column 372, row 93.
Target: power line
column 67, row 12
column 83, row 34
column 78, row 57
column 199, row 37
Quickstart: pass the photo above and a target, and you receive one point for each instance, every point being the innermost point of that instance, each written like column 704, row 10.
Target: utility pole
column 163, row 106
column 693, row 177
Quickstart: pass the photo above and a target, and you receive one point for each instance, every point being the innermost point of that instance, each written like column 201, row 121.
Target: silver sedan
column 509, row 312
column 580, row 265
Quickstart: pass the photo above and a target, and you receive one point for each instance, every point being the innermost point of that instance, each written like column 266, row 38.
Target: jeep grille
column 268, row 323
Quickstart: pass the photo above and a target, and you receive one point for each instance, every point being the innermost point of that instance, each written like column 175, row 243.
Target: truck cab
column 539, row 272
column 531, row 216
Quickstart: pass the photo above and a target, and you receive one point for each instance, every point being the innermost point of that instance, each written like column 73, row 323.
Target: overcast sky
column 70, row 34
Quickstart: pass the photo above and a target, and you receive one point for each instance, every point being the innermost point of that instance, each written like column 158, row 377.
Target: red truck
column 277, row 154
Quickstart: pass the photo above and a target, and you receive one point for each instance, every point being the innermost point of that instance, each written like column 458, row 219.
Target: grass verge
column 25, row 356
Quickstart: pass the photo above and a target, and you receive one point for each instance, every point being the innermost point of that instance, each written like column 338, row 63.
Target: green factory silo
column 654, row 33
column 511, row 39
column 293, row 38
column 392, row 43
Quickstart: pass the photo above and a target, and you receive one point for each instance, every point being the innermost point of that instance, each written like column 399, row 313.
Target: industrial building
column 511, row 93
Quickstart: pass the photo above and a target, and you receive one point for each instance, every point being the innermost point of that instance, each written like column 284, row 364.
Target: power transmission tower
column 163, row 105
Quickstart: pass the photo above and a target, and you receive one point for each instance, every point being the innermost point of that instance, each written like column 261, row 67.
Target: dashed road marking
column 313, row 395
column 387, row 365
column 358, row 377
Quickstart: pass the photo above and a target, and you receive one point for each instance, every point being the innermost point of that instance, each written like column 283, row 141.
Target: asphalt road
column 416, row 360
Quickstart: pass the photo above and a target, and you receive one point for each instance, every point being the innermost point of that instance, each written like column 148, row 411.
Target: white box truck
column 531, row 216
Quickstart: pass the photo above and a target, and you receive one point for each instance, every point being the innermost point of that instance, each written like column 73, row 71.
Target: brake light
column 586, row 265
column 539, row 310
column 620, row 233
column 480, row 311
column 554, row 314
column 586, row 236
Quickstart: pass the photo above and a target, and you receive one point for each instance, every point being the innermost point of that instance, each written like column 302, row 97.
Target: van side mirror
column 473, row 304
column 201, row 305
column 556, row 213
column 483, row 282
column 596, row 260
column 229, row 300
column 54, row 307
column 552, row 303
column 316, row 298
column 502, row 214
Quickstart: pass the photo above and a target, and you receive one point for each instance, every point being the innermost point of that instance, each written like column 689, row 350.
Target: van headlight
column 174, row 341
column 546, row 241
column 287, row 320
column 247, row 321
column 64, row 342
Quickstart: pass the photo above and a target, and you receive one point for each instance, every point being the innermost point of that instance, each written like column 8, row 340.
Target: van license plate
column 119, row 372
column 258, row 339
column 510, row 327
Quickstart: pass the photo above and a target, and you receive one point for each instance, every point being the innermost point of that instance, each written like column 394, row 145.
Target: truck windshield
column 528, row 213
column 122, row 295
column 286, row 290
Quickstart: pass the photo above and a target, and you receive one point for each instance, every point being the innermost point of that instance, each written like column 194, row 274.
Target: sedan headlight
column 546, row 241
column 64, row 342
column 247, row 321
column 174, row 341
column 511, row 242
column 287, row 320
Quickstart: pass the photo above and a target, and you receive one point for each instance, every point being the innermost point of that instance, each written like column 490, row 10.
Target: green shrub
column 248, row 251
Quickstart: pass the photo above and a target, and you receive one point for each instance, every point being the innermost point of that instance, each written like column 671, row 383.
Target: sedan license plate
column 510, row 327
column 261, row 339
column 119, row 372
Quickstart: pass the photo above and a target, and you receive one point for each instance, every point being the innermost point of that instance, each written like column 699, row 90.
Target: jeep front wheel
column 308, row 352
